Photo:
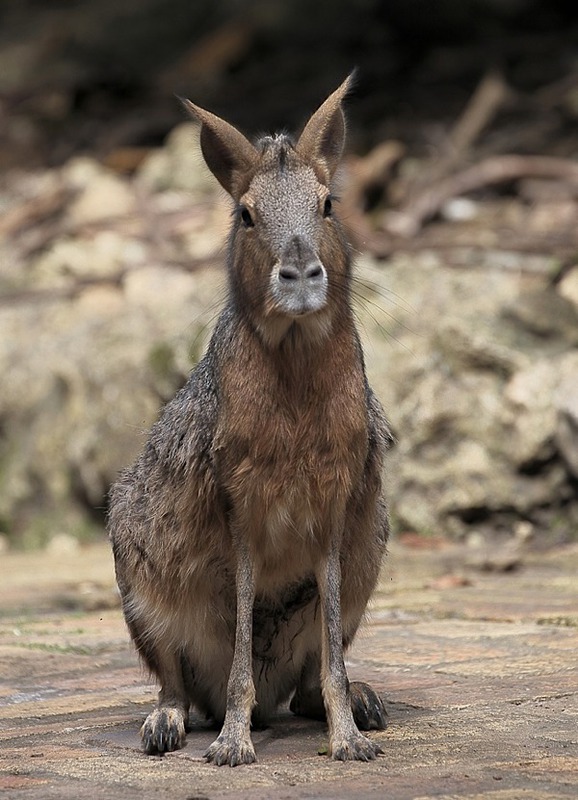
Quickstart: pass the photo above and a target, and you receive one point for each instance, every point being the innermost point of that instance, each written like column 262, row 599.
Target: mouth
column 299, row 293
column 299, row 311
column 299, row 307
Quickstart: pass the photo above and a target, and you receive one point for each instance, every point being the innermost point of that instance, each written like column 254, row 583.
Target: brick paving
column 479, row 671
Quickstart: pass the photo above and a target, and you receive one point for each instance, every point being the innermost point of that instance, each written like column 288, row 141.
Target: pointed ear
column 229, row 155
column 322, row 140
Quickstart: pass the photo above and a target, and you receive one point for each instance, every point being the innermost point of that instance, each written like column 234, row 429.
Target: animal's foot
column 355, row 747
column 232, row 750
column 163, row 730
column 367, row 706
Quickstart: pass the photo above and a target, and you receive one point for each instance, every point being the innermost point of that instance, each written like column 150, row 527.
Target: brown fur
column 248, row 536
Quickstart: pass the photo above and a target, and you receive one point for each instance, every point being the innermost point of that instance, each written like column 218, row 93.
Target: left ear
column 322, row 140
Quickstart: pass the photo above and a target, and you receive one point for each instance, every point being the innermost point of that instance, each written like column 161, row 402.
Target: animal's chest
column 287, row 466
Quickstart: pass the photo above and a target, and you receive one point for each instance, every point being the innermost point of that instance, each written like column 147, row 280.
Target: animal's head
column 289, row 264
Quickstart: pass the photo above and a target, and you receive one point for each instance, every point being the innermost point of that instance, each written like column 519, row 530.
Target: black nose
column 293, row 272
column 299, row 262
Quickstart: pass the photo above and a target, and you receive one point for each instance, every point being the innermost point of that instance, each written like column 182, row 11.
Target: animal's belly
column 289, row 539
column 290, row 497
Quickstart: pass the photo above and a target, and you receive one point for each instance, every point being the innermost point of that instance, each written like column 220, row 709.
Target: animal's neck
column 302, row 337
column 304, row 340
column 300, row 365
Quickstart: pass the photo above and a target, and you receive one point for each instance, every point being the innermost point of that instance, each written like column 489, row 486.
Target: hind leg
column 367, row 707
column 308, row 699
column 164, row 728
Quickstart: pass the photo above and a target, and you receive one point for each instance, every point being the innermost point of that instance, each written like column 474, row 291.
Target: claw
column 231, row 750
column 163, row 731
column 355, row 747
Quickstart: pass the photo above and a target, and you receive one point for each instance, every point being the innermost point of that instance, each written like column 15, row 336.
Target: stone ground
column 479, row 670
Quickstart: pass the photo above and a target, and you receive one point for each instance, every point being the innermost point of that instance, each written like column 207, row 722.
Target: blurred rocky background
column 459, row 191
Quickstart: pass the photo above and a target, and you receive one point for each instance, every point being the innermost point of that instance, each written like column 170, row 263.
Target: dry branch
column 490, row 95
column 34, row 211
column 367, row 174
column 495, row 170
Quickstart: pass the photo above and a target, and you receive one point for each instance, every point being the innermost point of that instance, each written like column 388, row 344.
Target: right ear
column 229, row 155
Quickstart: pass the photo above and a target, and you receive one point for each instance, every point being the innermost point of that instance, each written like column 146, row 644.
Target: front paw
column 232, row 750
column 163, row 730
column 355, row 747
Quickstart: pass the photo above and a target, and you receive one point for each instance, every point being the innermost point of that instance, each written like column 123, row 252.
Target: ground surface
column 479, row 671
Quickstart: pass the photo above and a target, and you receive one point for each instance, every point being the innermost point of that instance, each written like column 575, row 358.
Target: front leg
column 345, row 740
column 233, row 746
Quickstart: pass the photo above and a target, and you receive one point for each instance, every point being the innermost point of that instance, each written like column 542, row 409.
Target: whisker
column 385, row 292
column 352, row 287
column 387, row 334
column 366, row 300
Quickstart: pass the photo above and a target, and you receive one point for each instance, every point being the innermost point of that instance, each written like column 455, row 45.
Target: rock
column 106, row 253
column 529, row 414
column 566, row 404
column 568, row 287
column 460, row 209
column 104, row 196
column 178, row 165
column 87, row 378
column 545, row 216
column 80, row 171
column 541, row 413
column 449, row 581
column 475, row 400
column 476, row 349
column 496, row 556
column 62, row 544
column 166, row 289
column 100, row 301
column 545, row 313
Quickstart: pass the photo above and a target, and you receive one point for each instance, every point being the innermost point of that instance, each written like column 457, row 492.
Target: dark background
column 79, row 75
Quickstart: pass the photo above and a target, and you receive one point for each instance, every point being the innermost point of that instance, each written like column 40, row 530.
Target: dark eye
column 246, row 217
column 327, row 207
